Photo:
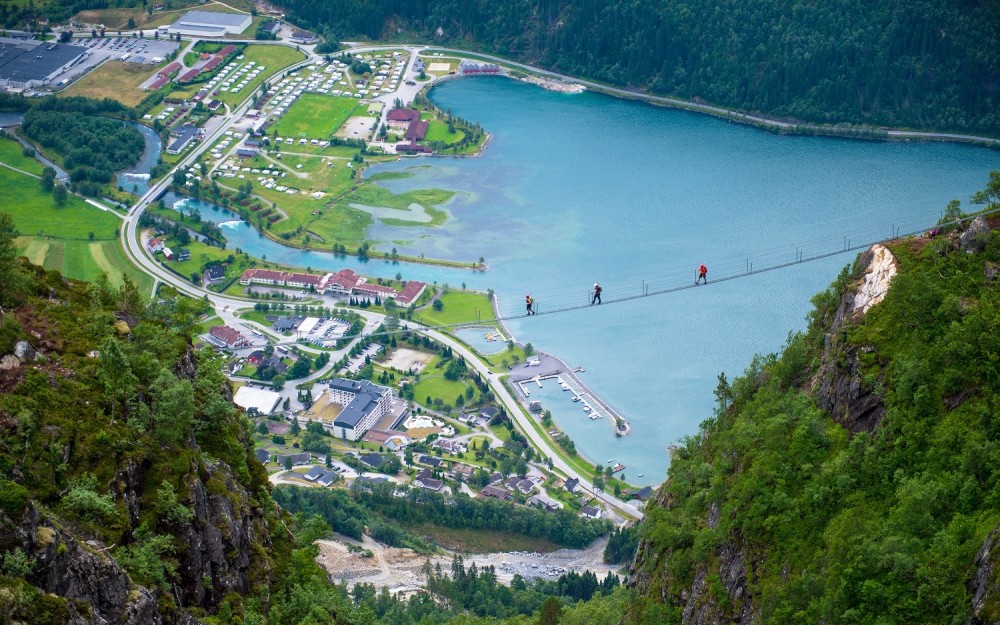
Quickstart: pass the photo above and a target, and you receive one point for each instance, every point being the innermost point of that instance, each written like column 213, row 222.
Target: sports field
column 316, row 116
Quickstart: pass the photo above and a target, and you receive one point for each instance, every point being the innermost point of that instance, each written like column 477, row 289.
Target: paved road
column 525, row 425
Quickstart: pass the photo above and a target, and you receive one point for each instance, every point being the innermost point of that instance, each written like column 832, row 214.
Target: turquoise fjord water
column 575, row 189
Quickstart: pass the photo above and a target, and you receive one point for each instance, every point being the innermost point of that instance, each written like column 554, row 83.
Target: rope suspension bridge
column 568, row 300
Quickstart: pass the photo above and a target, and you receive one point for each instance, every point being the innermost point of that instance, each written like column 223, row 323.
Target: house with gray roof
column 495, row 493
column 297, row 459
column 262, row 455
column 591, row 512
column 424, row 480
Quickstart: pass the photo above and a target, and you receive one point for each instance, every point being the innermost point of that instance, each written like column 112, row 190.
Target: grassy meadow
column 316, row 116
column 114, row 79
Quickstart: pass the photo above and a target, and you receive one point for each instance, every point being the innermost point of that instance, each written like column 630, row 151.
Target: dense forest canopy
column 93, row 148
column 926, row 64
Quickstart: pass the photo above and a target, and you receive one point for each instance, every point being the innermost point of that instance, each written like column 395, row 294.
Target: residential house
column 591, row 512
column 302, row 36
column 526, row 486
column 154, row 245
column 263, row 456
column 365, row 481
column 430, row 461
column 297, row 459
column 183, row 254
column 641, row 494
column 495, row 493
column 424, row 480
column 215, row 273
column 571, row 484
column 543, row 501
column 449, row 446
column 256, row 358
column 274, row 362
column 462, row 470
column 496, row 477
column 372, row 460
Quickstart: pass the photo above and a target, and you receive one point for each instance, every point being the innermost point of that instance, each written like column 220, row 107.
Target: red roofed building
column 169, row 69
column 189, row 75
column 410, row 292
column 229, row 336
column 372, row 289
column 401, row 118
column 416, row 131
column 343, row 282
column 159, row 82
column 284, row 278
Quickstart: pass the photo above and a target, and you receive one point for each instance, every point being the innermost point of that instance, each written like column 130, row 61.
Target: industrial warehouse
column 26, row 64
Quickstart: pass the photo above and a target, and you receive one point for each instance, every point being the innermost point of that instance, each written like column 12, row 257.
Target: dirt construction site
column 402, row 570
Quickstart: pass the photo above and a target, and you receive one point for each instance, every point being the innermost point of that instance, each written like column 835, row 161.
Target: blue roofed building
column 364, row 404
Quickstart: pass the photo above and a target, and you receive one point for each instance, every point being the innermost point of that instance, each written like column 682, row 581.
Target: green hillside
column 856, row 477
column 924, row 64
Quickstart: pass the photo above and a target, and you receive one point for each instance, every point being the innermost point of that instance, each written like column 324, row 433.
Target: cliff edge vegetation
column 855, row 478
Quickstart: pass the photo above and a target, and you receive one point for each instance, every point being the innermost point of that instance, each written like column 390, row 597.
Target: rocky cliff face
column 143, row 518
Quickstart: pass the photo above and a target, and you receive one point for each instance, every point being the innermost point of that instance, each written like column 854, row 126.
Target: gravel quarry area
column 402, row 570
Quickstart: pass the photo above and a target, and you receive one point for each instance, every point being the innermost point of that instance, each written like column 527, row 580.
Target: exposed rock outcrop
column 98, row 590
column 985, row 586
column 974, row 238
column 840, row 386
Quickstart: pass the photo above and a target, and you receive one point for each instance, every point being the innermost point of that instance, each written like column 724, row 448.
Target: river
column 575, row 189
column 135, row 179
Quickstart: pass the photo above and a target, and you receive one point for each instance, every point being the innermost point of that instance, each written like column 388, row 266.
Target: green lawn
column 459, row 307
column 200, row 254
column 438, row 131
column 316, row 116
column 36, row 214
column 12, row 153
column 433, row 383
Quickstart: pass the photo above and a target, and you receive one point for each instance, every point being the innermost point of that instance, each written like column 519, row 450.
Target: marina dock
column 560, row 373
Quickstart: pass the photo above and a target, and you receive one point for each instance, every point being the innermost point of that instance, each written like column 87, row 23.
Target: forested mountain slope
column 128, row 493
column 855, row 478
column 929, row 64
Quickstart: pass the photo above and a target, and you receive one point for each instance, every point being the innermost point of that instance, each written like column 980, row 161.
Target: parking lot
column 128, row 49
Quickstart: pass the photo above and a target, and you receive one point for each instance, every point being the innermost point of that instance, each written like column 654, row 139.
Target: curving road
column 226, row 306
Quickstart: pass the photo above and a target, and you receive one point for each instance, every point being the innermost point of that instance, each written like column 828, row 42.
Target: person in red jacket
column 702, row 275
